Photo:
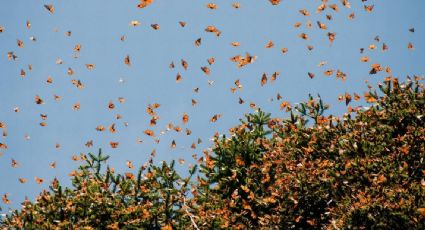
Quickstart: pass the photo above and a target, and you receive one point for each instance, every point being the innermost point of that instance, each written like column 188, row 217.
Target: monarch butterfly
column 206, row 70
column 129, row 164
column 304, row 12
column 76, row 106
column 263, row 79
column 274, row 76
column 235, row 44
column 49, row 79
column 329, row 72
column 321, row 25
column 270, row 44
column 14, row 163
column 368, row 8
column 303, row 36
column 89, row 143
column 346, row 3
column 149, row 132
column 38, row 180
column 321, row 8
column 20, row 43
column 50, row 8
column 38, row 100
column 90, row 66
column 77, row 83
column 194, row 102
column 5, row 198
column 127, row 60
column 274, row 2
column 144, row 3
column 77, row 48
column 211, row 60
column 156, row 26
column 184, row 63
column 331, row 37
column 114, row 144
column 129, row 176
column 112, row 128
column 212, row 6
column 236, row 5
column 185, row 118
column 111, row 105
column 178, row 78
column 214, row 118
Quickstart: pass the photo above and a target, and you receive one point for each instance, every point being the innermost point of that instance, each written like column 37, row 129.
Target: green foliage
column 107, row 200
column 364, row 170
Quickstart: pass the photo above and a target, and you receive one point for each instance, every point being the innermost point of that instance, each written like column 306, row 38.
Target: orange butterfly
column 156, row 26
column 144, row 3
column 76, row 106
column 211, row 60
column 206, row 70
column 49, row 79
column 14, row 163
column 111, row 105
column 185, row 118
column 173, row 144
column 212, row 6
column 5, row 198
column 368, row 8
column 149, row 132
column 38, row 180
column 90, row 66
column 20, row 43
column 129, row 176
column 304, row 12
column 274, row 2
column 236, row 5
column 112, row 128
column 269, row 45
column 127, row 60
column 178, row 78
column 303, row 36
column 38, row 100
column 114, row 144
column 215, row 117
column 77, row 48
column 263, row 79
column 129, row 164
column 184, row 64
column 50, row 8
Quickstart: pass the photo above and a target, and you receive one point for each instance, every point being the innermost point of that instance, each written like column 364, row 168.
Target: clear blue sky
column 98, row 25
